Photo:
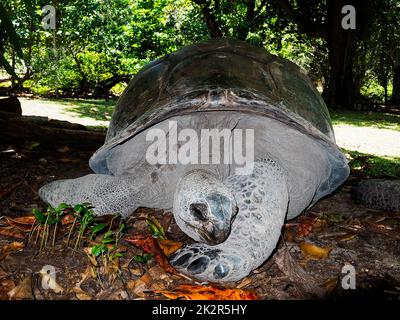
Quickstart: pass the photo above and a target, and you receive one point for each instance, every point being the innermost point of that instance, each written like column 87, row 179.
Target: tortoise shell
column 217, row 75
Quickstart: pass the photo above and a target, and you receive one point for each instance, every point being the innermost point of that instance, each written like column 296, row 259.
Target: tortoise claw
column 201, row 262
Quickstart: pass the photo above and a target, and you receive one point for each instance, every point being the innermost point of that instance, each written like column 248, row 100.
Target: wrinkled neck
column 220, row 172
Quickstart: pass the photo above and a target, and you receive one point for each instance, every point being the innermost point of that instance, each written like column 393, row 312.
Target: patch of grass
column 366, row 119
column 373, row 166
column 97, row 128
column 98, row 109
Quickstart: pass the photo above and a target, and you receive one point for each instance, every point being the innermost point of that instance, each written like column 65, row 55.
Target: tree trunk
column 84, row 84
column 210, row 19
column 106, row 85
column 340, row 91
column 396, row 86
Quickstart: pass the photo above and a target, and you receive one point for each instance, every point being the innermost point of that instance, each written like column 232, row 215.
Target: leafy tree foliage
column 98, row 45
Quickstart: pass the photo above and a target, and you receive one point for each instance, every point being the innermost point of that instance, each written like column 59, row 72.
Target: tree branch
column 251, row 6
column 316, row 30
column 209, row 17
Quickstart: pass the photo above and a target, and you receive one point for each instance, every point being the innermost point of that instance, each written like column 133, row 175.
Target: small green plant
column 96, row 229
column 84, row 224
column 142, row 258
column 85, row 218
column 156, row 230
column 107, row 248
column 44, row 221
column 103, row 246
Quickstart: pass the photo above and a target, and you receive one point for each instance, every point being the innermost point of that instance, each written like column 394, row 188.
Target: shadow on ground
column 92, row 108
column 379, row 120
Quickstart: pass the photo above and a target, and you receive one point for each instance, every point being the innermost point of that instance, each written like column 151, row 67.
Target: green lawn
column 98, row 109
column 366, row 119
column 373, row 166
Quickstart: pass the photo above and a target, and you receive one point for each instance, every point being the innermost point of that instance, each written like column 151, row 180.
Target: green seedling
column 156, row 229
column 44, row 221
column 86, row 216
column 110, row 237
column 96, row 229
column 84, row 222
column 144, row 258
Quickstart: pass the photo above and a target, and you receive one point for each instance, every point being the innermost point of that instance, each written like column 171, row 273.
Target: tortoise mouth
column 216, row 236
column 213, row 238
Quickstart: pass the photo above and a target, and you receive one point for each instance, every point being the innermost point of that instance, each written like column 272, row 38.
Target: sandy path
column 376, row 141
column 43, row 108
column 381, row 142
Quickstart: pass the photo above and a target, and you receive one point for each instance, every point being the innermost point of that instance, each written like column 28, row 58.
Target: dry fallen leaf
column 169, row 246
column 244, row 283
column 6, row 286
column 302, row 280
column 23, row 290
column 81, row 295
column 11, row 232
column 135, row 272
column 68, row 160
column 67, row 219
column 305, row 227
column 92, row 259
column 150, row 245
column 330, row 285
column 137, row 287
column 27, row 220
column 194, row 292
column 312, row 251
column 20, row 226
column 63, row 149
column 5, row 251
column 346, row 237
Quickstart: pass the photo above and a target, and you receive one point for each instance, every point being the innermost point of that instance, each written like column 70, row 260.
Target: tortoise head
column 204, row 208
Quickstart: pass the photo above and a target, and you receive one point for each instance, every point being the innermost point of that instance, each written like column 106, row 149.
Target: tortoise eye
column 199, row 210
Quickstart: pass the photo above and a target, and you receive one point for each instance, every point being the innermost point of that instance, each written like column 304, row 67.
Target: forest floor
column 315, row 254
column 308, row 264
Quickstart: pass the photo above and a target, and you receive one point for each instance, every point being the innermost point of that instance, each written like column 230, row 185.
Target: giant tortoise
column 235, row 212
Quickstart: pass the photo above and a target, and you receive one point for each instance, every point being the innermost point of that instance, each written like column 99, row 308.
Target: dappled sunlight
column 366, row 119
column 73, row 110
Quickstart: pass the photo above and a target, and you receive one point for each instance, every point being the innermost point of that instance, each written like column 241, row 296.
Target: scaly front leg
column 107, row 194
column 263, row 199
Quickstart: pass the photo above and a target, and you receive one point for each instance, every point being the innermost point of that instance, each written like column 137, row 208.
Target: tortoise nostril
column 199, row 210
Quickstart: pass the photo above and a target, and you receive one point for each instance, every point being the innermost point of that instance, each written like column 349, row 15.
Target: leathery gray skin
column 262, row 197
